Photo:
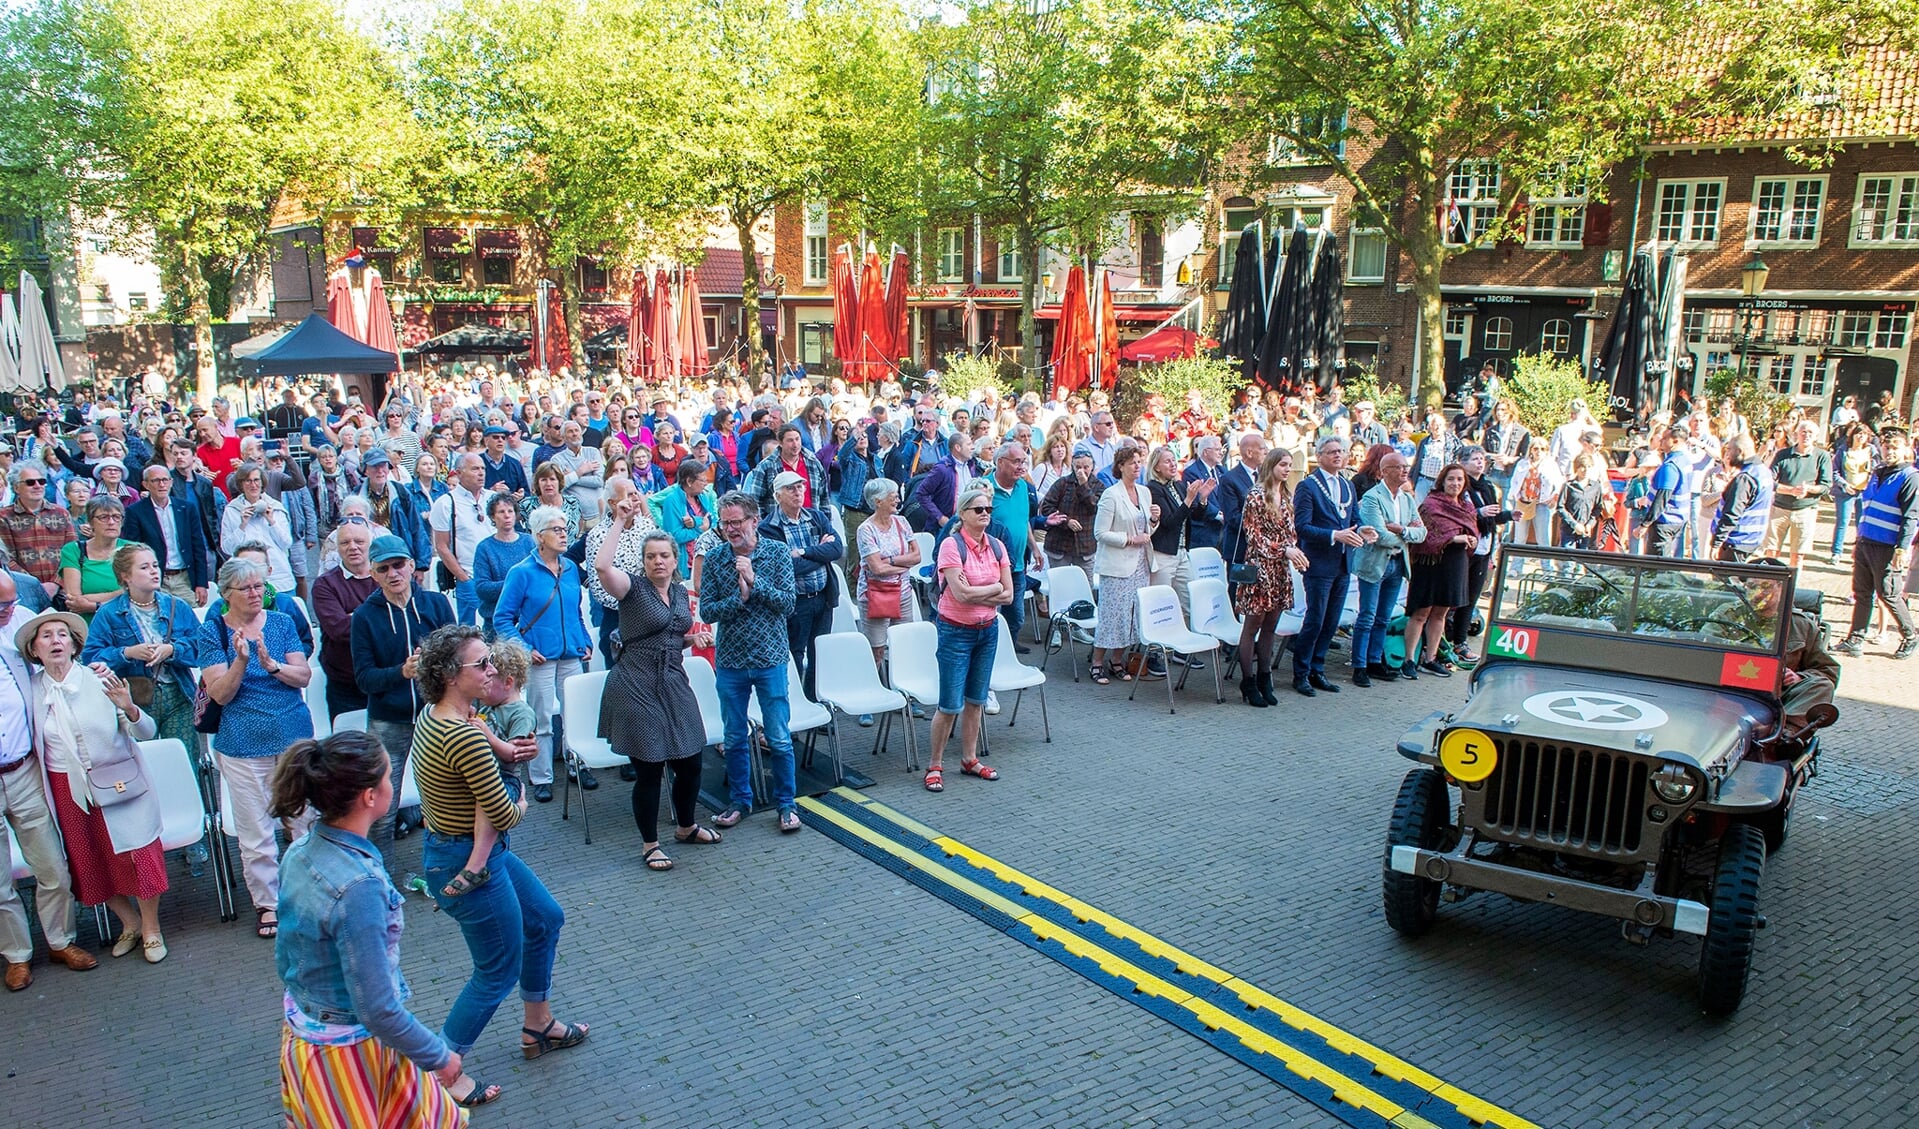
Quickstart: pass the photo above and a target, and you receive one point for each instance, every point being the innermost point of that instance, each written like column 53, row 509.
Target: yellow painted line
column 1344, row 1088
column 1472, row 1107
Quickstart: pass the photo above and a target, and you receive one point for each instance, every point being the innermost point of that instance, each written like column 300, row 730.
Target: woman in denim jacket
column 350, row 1045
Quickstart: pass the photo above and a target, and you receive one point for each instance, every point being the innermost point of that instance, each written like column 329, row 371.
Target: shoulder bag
column 885, row 599
column 114, row 782
column 206, row 711
column 141, row 686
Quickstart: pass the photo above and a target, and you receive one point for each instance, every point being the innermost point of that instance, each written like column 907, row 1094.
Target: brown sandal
column 466, row 882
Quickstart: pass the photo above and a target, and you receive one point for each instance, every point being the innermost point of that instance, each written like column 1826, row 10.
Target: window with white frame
column 1456, row 323
column 1886, row 213
column 1558, row 218
column 1695, row 325
column 1556, row 336
column 1854, row 330
column 1780, row 373
column 1892, row 331
column 1786, row 210
column 1366, row 255
column 1499, row 335
column 1473, row 191
column 818, row 258
column 1717, row 359
column 1307, row 137
column 1812, row 377
column 1689, row 210
column 1238, row 213
column 952, row 249
column 1009, row 264
column 136, row 300
column 1815, row 327
column 1719, row 325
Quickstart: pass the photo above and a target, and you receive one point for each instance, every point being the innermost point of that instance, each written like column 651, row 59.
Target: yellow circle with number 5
column 1468, row 755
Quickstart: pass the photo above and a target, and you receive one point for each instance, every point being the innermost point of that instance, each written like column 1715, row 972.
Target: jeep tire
column 1726, row 956
column 1419, row 820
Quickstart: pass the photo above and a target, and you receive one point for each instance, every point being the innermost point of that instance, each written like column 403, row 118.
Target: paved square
column 774, row 981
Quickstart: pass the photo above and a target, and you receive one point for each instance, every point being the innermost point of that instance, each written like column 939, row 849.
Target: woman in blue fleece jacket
column 541, row 607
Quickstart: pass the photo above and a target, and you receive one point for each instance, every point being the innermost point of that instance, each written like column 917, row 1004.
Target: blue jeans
column 1376, row 599
column 466, row 602
column 512, row 929
column 770, row 683
column 966, row 664
column 1847, row 507
column 1325, row 602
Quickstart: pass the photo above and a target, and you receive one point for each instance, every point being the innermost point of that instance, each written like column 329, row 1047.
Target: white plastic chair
column 184, row 820
column 850, row 683
column 354, row 720
column 315, row 695
column 706, row 691
column 846, row 616
column 803, row 715
column 1213, row 612
column 1163, row 629
column 576, row 732
column 1067, row 585
column 912, row 663
column 1015, row 677
column 923, row 571
column 409, row 786
column 1291, row 618
column 1207, row 564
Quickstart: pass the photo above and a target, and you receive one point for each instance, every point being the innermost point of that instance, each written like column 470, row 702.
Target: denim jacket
column 114, row 630
column 338, row 949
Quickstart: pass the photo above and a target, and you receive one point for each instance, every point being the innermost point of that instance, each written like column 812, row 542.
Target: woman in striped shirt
column 511, row 924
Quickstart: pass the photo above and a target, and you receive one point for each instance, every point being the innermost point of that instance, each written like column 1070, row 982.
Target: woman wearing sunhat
column 86, row 729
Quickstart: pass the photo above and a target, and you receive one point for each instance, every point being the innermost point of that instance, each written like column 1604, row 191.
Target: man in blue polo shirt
column 1669, row 507
column 1015, row 511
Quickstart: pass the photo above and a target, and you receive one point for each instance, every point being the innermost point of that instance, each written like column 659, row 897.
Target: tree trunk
column 1427, row 254
column 200, row 310
column 575, row 330
column 749, row 291
column 1029, row 354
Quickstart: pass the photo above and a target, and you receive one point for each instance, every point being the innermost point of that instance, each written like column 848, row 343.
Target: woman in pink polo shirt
column 976, row 578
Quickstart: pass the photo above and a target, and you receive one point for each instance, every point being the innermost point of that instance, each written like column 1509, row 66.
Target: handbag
column 112, row 783
column 1245, row 572
column 142, row 686
column 206, row 711
column 885, row 599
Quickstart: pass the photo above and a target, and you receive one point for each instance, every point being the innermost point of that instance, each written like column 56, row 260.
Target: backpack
column 915, row 511
column 951, row 529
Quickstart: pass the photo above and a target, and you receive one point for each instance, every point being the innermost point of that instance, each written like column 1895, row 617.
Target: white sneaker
column 992, row 704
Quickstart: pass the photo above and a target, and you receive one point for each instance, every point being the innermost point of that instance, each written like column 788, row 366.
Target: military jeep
column 1622, row 751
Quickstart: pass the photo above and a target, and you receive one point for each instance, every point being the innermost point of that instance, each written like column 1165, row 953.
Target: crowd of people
column 451, row 559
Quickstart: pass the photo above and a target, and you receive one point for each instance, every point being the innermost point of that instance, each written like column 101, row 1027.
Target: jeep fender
column 1417, row 743
column 1752, row 788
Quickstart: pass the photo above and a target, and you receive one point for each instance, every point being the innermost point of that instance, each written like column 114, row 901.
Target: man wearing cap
column 392, row 506
column 459, row 524
column 386, row 634
column 810, row 538
column 24, row 807
column 503, row 471
column 658, row 413
column 172, row 530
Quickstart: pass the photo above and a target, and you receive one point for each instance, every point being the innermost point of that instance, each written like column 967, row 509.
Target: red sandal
column 980, row 769
column 936, row 779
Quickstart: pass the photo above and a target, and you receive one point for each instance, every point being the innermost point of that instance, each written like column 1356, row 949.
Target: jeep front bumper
column 1641, row 906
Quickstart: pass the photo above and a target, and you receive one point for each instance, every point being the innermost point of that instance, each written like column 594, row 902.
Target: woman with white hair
column 976, row 578
column 1123, row 527
column 539, row 607
column 887, row 556
column 256, row 516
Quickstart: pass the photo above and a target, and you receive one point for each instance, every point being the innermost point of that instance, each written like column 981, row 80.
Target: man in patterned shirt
column 809, row 537
column 34, row 529
column 746, row 591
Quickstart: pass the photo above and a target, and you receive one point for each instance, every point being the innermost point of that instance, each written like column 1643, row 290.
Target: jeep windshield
column 1638, row 598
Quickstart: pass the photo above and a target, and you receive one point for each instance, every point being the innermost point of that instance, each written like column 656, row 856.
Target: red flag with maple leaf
column 1749, row 672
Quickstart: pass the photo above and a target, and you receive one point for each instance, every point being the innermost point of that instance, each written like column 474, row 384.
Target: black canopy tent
column 315, row 347
column 474, row 341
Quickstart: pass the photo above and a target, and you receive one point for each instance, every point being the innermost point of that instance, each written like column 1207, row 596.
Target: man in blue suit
column 1203, row 519
column 1231, row 493
column 1326, row 516
column 172, row 529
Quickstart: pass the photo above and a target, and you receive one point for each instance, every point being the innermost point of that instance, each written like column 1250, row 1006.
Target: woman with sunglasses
column 510, row 922
column 632, row 432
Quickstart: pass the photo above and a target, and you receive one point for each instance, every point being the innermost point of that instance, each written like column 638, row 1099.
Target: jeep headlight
column 1674, row 784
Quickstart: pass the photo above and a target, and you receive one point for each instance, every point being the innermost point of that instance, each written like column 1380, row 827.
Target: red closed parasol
column 1073, row 336
column 876, row 336
column 897, row 279
column 692, row 330
column 666, row 328
column 636, row 335
column 846, row 308
column 1108, row 325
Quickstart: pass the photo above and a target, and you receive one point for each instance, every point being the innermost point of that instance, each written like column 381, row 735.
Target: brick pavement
column 773, row 981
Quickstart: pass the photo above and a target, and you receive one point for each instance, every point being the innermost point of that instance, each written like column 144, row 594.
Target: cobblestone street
column 775, row 981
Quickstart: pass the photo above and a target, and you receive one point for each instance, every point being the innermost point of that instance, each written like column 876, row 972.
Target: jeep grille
column 1566, row 798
